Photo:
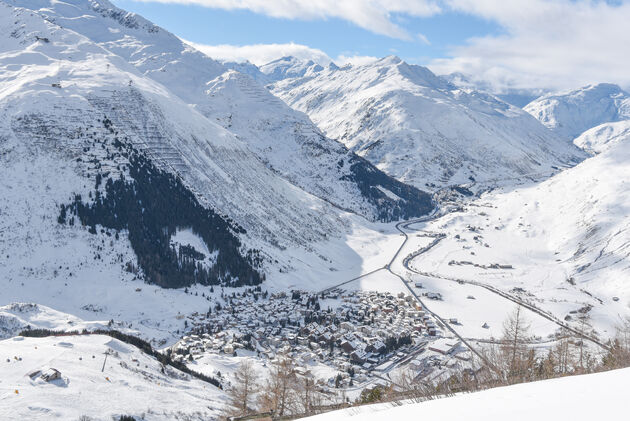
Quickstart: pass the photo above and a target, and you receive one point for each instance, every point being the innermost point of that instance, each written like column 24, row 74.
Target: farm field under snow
column 577, row 398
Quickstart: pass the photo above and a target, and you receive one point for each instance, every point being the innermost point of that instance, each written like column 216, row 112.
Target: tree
column 278, row 395
column 244, row 387
column 514, row 346
column 584, row 360
column 371, row 395
column 563, row 354
column 618, row 354
column 308, row 393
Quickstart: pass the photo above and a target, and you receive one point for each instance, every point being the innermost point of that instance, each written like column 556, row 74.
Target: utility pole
column 105, row 360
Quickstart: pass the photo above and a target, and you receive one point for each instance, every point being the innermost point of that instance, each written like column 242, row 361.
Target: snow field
column 131, row 383
column 578, row 398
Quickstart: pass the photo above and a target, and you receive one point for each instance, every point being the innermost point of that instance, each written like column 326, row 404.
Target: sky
column 505, row 44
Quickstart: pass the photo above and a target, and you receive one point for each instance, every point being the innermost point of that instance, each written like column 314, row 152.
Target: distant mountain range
column 420, row 128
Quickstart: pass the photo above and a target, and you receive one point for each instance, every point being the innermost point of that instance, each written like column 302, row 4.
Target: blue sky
column 334, row 36
column 507, row 44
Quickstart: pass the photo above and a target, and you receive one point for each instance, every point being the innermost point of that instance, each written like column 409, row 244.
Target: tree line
column 141, row 344
column 151, row 206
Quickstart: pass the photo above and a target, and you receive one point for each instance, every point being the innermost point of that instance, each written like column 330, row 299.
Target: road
column 399, row 227
column 405, row 225
column 533, row 308
column 436, row 316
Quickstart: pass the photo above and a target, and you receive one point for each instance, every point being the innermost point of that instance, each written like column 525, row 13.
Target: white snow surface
column 55, row 92
column 577, row 398
column 567, row 240
column 289, row 67
column 600, row 138
column 285, row 140
column 570, row 113
column 20, row 316
column 423, row 130
column 131, row 383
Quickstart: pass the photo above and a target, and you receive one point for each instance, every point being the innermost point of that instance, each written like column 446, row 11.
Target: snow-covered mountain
column 107, row 174
column 69, row 100
column 518, row 97
column 283, row 139
column 599, row 138
column 423, row 130
column 290, row 67
column 565, row 241
column 570, row 113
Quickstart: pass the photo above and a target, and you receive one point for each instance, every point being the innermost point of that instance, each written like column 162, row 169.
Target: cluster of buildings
column 354, row 331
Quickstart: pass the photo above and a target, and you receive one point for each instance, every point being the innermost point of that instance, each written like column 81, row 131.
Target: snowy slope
column 284, row 139
column 578, row 398
column 518, row 97
column 16, row 317
column 290, row 67
column 566, row 241
column 289, row 144
column 96, row 84
column 421, row 129
column 599, row 138
column 572, row 112
column 65, row 103
column 131, row 382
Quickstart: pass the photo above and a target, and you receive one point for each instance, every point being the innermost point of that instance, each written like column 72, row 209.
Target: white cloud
column 372, row 15
column 543, row 43
column 423, row 39
column 355, row 59
column 546, row 44
column 260, row 54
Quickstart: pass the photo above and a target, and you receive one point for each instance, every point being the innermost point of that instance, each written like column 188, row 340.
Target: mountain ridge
column 423, row 130
column 569, row 113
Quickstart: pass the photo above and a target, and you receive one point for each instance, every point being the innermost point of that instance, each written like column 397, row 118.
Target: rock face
column 421, row 129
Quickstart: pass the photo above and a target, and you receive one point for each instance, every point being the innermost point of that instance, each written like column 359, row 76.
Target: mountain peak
column 569, row 113
column 389, row 60
column 290, row 67
column 421, row 128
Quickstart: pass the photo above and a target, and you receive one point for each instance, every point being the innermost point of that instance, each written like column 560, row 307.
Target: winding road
column 402, row 227
column 529, row 306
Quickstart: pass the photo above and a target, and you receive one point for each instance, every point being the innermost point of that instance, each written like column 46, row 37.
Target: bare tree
column 244, row 387
column 618, row 355
column 563, row 354
column 583, row 320
column 308, row 392
column 279, row 392
column 514, row 346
